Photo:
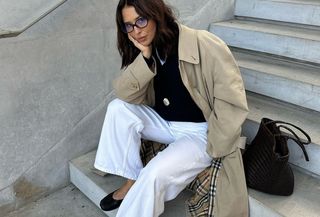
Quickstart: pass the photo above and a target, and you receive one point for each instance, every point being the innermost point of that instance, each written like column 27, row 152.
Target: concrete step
column 295, row 11
column 261, row 106
column 16, row 16
column 273, row 38
column 288, row 81
column 95, row 187
column 303, row 201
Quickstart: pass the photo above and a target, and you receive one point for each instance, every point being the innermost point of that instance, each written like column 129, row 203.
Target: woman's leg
column 166, row 175
column 124, row 126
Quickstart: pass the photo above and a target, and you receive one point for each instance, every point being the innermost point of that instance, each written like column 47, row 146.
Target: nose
column 136, row 30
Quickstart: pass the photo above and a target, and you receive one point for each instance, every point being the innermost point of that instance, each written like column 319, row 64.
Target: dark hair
column 166, row 32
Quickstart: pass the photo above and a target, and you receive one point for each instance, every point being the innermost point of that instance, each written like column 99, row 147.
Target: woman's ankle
column 123, row 190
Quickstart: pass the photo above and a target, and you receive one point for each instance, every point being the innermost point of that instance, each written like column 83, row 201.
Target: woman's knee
column 115, row 106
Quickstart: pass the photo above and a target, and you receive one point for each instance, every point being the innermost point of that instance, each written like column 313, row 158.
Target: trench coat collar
column 188, row 45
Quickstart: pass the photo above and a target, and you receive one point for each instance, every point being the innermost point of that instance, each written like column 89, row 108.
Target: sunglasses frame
column 124, row 29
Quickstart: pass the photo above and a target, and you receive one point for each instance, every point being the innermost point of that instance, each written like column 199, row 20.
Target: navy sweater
column 172, row 99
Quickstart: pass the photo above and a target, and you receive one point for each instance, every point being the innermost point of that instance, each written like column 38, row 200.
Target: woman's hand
column 146, row 50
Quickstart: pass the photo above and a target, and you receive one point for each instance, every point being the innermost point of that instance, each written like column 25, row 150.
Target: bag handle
column 297, row 140
column 294, row 136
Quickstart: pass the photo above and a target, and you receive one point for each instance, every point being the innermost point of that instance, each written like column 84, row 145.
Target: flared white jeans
column 167, row 174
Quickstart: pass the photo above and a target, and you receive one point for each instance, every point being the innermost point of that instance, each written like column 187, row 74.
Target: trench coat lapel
column 188, row 45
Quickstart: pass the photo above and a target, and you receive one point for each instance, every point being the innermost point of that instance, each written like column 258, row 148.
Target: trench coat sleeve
column 229, row 112
column 225, row 109
column 133, row 85
column 229, row 104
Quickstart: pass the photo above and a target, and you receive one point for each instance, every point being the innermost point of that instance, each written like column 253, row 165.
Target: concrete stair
column 16, row 16
column 294, row 11
column 95, row 186
column 282, row 79
column 271, row 37
column 304, row 202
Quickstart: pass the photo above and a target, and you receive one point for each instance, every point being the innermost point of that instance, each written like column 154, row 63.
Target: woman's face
column 143, row 35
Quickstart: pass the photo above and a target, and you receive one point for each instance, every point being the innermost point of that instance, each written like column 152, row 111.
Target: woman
column 179, row 87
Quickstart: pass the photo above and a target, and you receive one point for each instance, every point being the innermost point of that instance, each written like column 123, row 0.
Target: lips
column 141, row 39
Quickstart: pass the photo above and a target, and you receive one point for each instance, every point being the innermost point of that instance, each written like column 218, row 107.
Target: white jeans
column 167, row 174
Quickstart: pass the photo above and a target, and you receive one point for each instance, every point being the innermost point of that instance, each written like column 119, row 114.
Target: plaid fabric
column 150, row 149
column 201, row 204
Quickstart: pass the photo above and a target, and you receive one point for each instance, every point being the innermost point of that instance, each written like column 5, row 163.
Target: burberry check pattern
column 201, row 204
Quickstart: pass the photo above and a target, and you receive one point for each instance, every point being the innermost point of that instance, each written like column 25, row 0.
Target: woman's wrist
column 147, row 53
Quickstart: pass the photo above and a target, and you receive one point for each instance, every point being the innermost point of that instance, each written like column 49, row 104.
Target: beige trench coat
column 212, row 77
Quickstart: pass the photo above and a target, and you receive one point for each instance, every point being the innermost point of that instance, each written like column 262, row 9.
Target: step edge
column 255, row 204
column 74, row 172
column 299, row 70
column 277, row 58
column 273, row 29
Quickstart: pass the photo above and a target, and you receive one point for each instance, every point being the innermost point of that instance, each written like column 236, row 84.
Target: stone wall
column 55, row 82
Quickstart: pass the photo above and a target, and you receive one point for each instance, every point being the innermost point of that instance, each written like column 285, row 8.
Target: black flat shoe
column 108, row 203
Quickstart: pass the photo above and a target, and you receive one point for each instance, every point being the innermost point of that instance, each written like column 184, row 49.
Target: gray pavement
column 67, row 202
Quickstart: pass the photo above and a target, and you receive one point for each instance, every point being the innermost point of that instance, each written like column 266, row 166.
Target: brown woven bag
column 266, row 158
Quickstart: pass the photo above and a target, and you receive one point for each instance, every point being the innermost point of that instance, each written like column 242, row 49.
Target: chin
column 147, row 43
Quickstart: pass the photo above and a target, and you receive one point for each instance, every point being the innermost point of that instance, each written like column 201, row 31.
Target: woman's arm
column 133, row 83
column 229, row 102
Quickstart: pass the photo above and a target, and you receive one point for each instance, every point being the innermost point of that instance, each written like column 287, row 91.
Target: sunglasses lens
column 127, row 28
column 142, row 22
